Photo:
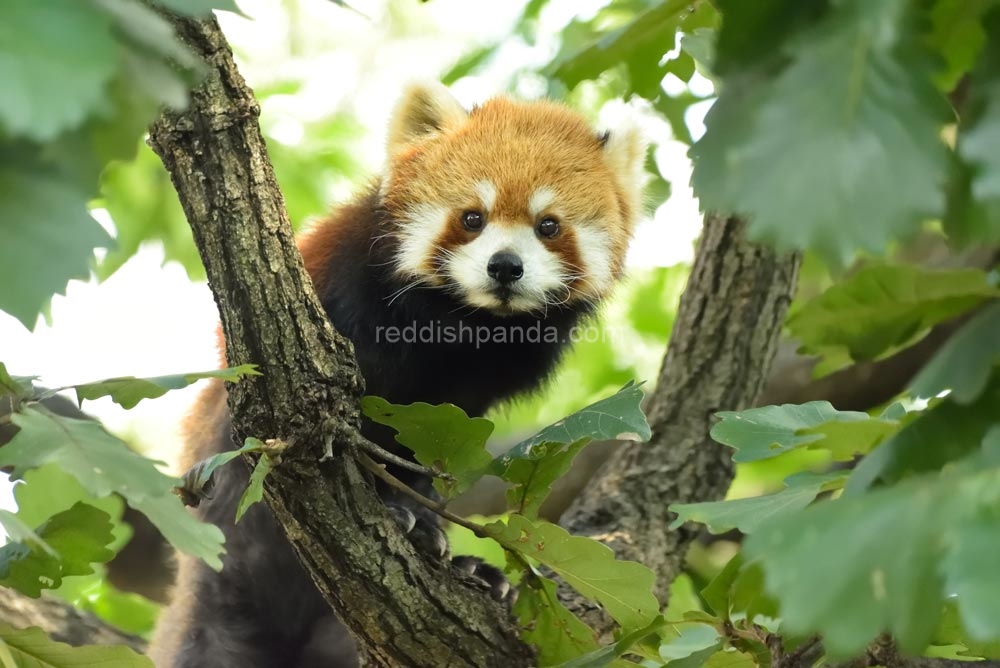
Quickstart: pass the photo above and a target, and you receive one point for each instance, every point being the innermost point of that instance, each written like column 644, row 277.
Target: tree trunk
column 724, row 339
column 402, row 609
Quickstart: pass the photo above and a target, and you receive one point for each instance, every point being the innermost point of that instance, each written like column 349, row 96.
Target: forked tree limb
column 402, row 609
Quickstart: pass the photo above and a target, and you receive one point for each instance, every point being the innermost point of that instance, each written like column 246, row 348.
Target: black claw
column 490, row 577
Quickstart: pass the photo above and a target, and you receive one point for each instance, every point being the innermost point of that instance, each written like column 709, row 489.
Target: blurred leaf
column 202, row 540
column 951, row 632
column 127, row 391
column 534, row 464
column 769, row 431
column 443, row 437
column 882, row 307
column 853, row 568
column 749, row 514
column 973, row 576
column 623, row 588
column 809, row 165
column 941, row 434
column 199, row 7
column 470, row 62
column 31, row 647
column 966, row 360
column 557, row 634
column 653, row 302
column 956, row 34
column 68, row 543
column 640, row 44
column 55, row 58
column 974, row 197
column 104, row 464
column 755, row 33
column 144, row 207
column 49, row 238
column 129, row 612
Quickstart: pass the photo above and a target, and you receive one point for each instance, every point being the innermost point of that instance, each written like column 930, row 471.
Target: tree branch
column 61, row 621
column 724, row 338
column 402, row 609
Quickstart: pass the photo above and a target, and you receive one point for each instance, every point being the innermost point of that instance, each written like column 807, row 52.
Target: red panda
column 484, row 225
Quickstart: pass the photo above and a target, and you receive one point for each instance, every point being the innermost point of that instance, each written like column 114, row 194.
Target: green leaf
column 104, row 464
column 853, row 568
column 55, row 58
column 882, row 307
column 752, row 34
column 769, row 431
column 557, row 634
column 971, row 573
column 18, row 530
column 199, row 8
column 606, row 655
column 199, row 476
column 749, row 514
column 624, row 588
column 974, row 197
column 535, row 463
column 965, row 362
column 67, row 544
column 48, row 235
column 442, row 436
column 13, row 386
column 944, row 433
column 127, row 391
column 32, row 647
column 951, row 632
column 182, row 530
column 646, row 38
column 854, row 163
column 956, row 33
column 691, row 645
column 255, row 489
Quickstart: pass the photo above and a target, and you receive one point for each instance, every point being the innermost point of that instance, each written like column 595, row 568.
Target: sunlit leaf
column 32, row 647
column 127, row 391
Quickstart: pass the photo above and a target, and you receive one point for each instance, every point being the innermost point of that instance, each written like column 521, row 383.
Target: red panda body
column 458, row 277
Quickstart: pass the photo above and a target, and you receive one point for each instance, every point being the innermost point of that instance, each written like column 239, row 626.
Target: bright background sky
column 149, row 319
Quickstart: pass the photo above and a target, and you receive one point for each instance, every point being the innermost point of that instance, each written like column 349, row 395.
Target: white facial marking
column 540, row 199
column 423, row 225
column 543, row 272
column 487, row 192
column 595, row 255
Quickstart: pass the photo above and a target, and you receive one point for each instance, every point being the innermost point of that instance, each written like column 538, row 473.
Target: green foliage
column 534, row 464
column 882, row 307
column 82, row 82
column 810, row 165
column 554, row 630
column 440, row 436
column 102, row 464
column 128, row 391
column 65, row 545
column 769, row 431
column 748, row 514
column 624, row 588
column 965, row 362
column 255, row 489
column 32, row 647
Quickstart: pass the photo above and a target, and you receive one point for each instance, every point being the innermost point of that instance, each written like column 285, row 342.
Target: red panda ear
column 424, row 110
column 625, row 153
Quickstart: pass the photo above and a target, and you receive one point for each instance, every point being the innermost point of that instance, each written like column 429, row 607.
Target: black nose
column 505, row 267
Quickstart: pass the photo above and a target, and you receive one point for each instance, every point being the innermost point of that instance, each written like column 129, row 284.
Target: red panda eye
column 549, row 227
column 473, row 221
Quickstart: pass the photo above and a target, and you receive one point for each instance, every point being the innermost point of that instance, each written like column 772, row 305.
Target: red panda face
column 515, row 207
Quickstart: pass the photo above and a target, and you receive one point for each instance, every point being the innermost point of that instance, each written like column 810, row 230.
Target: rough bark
column 403, row 609
column 724, row 339
column 61, row 621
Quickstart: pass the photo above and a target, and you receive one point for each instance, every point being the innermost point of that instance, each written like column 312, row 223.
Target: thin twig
column 384, row 455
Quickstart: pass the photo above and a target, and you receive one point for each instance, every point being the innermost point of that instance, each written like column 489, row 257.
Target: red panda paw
column 487, row 576
column 424, row 533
